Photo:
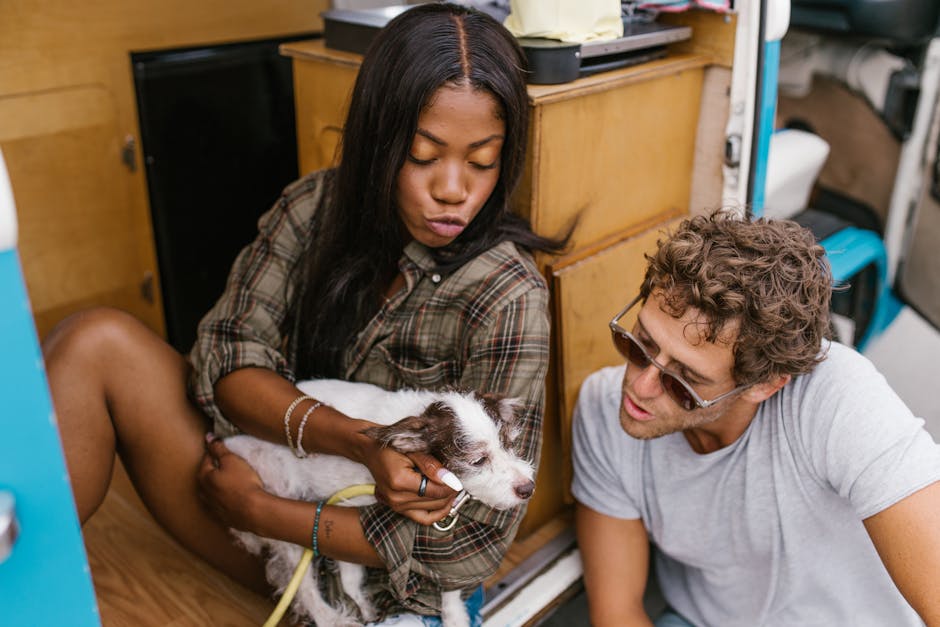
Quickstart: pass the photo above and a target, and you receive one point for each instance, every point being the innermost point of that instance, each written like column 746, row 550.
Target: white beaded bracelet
column 299, row 451
column 290, row 410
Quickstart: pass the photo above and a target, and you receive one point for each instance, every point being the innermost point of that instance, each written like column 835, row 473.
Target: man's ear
column 760, row 392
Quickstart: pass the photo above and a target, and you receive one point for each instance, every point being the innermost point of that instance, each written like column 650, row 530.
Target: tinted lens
column 677, row 391
column 635, row 354
column 631, row 350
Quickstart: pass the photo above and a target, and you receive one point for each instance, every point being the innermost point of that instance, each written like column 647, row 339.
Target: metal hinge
column 129, row 153
column 146, row 287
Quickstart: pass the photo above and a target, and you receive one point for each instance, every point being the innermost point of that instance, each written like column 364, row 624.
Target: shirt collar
column 420, row 256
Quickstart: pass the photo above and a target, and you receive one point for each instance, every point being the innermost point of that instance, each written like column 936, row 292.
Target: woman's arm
column 244, row 329
column 507, row 355
column 246, row 396
column 233, row 491
column 243, row 381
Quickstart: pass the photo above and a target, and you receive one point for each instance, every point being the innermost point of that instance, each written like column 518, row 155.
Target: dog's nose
column 524, row 490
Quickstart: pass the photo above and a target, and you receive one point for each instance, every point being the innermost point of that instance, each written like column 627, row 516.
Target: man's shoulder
column 601, row 390
column 839, row 407
column 604, row 381
column 842, row 371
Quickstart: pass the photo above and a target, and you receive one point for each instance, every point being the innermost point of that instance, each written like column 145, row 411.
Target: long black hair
column 358, row 239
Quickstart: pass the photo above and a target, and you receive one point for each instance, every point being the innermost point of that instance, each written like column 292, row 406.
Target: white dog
column 469, row 433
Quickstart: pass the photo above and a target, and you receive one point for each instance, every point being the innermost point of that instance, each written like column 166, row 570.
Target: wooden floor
column 143, row 578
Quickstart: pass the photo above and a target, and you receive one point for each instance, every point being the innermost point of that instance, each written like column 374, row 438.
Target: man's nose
column 646, row 382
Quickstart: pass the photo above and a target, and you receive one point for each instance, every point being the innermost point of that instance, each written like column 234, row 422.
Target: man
column 776, row 476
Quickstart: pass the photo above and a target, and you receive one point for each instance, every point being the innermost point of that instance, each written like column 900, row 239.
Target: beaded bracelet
column 299, row 450
column 316, row 527
column 287, row 414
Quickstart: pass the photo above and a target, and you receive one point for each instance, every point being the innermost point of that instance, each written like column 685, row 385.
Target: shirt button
column 435, row 278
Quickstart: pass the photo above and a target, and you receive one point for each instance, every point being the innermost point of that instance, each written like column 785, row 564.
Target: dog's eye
column 480, row 461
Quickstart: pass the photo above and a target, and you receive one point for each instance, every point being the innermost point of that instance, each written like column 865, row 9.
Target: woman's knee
column 95, row 336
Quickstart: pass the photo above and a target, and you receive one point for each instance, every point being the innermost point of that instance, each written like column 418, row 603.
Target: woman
column 403, row 268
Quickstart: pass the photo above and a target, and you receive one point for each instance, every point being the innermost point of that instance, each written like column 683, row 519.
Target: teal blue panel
column 45, row 579
column 765, row 125
column 849, row 251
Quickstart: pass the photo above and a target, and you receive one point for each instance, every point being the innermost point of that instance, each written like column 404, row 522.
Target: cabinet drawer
column 587, row 293
column 619, row 156
column 321, row 94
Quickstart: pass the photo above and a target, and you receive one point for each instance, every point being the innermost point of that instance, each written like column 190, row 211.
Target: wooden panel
column 615, row 156
column 143, row 577
column 587, row 294
column 72, row 60
column 60, row 42
column 707, row 173
column 712, row 34
column 78, row 233
column 321, row 92
column 548, row 500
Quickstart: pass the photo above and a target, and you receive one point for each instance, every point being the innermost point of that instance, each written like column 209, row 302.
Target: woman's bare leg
column 118, row 387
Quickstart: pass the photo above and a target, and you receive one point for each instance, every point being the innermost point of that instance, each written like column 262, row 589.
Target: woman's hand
column 398, row 478
column 229, row 487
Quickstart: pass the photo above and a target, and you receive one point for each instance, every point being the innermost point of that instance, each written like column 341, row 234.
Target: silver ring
column 424, row 486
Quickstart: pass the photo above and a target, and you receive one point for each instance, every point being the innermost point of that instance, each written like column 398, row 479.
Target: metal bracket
column 129, row 153
column 9, row 526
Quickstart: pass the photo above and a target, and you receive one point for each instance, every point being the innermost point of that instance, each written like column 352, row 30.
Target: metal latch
column 733, row 150
column 447, row 523
column 9, row 526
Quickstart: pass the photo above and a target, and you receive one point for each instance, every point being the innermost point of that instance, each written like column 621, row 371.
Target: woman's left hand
column 398, row 484
column 229, row 487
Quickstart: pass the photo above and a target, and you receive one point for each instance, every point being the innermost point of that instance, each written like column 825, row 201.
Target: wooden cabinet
column 69, row 134
column 78, row 239
column 616, row 150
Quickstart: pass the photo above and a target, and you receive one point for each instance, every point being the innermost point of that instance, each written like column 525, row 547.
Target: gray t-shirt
column 766, row 531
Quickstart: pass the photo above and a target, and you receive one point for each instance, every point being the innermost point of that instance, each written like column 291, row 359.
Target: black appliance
column 550, row 61
column 896, row 22
column 218, row 138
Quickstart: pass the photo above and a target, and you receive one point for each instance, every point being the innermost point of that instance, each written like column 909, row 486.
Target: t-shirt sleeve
column 861, row 437
column 604, row 457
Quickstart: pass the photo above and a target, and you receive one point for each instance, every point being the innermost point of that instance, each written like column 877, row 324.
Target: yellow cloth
column 567, row 20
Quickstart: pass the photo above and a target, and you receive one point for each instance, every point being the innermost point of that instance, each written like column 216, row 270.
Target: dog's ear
column 501, row 409
column 505, row 413
column 408, row 435
column 510, row 410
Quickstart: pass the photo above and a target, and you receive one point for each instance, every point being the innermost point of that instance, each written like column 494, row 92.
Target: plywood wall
column 67, row 117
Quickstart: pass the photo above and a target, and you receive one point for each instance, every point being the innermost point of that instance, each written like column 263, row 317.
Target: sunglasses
column 674, row 385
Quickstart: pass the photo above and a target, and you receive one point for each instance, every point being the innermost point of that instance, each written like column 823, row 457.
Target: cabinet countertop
column 316, row 50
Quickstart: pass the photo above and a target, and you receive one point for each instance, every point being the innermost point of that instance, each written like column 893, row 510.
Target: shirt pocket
column 414, row 373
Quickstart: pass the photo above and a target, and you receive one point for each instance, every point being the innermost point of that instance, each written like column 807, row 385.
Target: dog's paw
column 453, row 611
column 335, row 618
column 369, row 613
column 455, row 620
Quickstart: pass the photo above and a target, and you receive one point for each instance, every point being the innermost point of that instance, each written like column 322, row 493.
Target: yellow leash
column 304, row 563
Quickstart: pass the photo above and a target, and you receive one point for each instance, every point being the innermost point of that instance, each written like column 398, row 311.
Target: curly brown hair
column 768, row 277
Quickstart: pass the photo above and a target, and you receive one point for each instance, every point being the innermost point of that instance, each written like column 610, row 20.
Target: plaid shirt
column 484, row 326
